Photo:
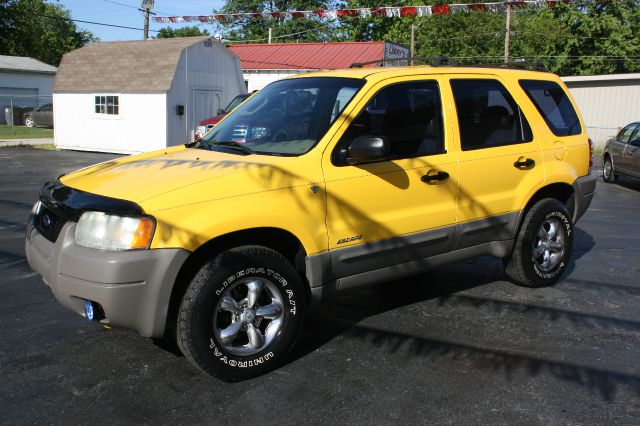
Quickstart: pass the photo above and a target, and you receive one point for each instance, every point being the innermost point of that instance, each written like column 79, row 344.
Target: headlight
column 111, row 232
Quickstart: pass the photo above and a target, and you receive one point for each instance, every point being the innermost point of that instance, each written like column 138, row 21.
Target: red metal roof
column 308, row 56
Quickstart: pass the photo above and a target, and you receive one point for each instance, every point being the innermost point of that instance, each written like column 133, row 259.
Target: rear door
column 500, row 159
column 618, row 148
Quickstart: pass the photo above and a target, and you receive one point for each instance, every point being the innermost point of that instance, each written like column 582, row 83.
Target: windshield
column 235, row 102
column 287, row 117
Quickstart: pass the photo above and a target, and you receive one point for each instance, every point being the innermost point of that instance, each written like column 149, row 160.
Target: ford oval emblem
column 46, row 220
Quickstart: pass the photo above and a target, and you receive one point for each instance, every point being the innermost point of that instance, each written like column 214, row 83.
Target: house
column 137, row 96
column 264, row 63
column 24, row 82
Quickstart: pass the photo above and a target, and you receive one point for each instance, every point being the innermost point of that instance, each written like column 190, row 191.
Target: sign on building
column 395, row 50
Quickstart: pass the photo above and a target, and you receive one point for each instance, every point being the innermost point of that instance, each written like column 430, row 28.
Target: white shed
column 137, row 96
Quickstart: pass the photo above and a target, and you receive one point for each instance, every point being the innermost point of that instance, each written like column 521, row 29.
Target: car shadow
column 448, row 286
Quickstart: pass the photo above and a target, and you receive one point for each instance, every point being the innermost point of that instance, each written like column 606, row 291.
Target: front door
column 205, row 105
column 626, row 148
column 388, row 212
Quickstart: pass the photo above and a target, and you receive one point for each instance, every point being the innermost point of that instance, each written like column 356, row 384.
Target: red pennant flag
column 515, row 3
column 347, row 13
column 478, row 7
column 276, row 15
column 203, row 19
column 408, row 11
column 320, row 13
column 297, row 15
column 440, row 9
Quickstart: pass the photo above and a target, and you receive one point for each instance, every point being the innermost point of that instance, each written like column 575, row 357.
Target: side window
column 625, row 134
column 409, row 115
column 487, row 115
column 554, row 105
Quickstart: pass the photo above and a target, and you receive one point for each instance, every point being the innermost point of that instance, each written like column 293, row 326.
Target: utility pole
column 270, row 29
column 146, row 24
column 413, row 42
column 507, row 34
column 145, row 7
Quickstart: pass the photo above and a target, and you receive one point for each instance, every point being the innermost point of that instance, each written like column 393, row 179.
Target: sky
column 123, row 12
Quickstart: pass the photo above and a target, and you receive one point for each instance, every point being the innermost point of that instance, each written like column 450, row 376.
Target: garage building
column 137, row 96
column 24, row 82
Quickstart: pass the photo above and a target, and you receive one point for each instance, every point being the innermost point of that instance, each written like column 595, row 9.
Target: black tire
column 29, row 121
column 608, row 174
column 203, row 317
column 539, row 261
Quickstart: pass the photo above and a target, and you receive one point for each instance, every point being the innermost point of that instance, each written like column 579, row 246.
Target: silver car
column 621, row 154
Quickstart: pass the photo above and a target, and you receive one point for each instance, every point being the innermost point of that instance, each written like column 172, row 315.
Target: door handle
column 435, row 177
column 525, row 164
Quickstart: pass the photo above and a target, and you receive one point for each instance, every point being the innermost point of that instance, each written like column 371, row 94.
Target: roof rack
column 440, row 61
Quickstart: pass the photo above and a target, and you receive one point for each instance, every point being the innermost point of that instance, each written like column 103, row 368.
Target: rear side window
column 488, row 116
column 554, row 106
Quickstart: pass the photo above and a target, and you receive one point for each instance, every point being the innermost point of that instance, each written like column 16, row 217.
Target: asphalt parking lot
column 458, row 345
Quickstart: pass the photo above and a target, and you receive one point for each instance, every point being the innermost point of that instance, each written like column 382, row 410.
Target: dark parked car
column 41, row 117
column 622, row 154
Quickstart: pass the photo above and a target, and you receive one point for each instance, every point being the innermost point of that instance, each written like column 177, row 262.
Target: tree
column 258, row 29
column 168, row 32
column 40, row 30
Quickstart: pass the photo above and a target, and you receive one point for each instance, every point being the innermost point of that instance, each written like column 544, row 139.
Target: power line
column 60, row 18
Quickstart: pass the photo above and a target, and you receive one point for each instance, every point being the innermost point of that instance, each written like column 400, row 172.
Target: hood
column 191, row 175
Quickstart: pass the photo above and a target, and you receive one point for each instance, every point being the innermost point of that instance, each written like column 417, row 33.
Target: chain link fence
column 26, row 117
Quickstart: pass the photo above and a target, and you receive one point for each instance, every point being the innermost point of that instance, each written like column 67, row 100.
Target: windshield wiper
column 233, row 145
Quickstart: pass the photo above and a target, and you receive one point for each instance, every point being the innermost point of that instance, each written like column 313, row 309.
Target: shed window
column 107, row 105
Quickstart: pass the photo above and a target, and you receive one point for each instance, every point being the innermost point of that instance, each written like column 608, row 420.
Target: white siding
column 208, row 67
column 257, row 79
column 139, row 127
column 607, row 103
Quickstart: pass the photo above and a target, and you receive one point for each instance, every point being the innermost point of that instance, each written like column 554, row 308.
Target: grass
column 22, row 132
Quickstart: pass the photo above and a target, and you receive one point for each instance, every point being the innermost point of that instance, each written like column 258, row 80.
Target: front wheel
column 607, row 171
column 543, row 247
column 29, row 122
column 241, row 313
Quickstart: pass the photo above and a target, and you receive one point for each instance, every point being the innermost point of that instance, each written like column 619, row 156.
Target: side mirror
column 366, row 149
column 220, row 111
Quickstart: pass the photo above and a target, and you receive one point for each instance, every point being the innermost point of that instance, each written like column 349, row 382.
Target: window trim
column 338, row 162
column 521, row 112
column 106, row 114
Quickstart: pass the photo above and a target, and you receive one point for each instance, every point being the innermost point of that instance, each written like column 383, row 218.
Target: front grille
column 48, row 223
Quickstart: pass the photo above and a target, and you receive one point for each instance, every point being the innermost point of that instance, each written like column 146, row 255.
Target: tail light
column 590, row 152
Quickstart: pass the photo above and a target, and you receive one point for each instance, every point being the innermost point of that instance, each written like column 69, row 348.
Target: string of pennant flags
column 389, row 12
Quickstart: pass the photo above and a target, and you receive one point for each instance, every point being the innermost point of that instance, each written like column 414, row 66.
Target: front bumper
column 583, row 188
column 133, row 287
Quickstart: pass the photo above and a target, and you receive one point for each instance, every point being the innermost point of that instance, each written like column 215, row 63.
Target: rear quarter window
column 554, row 105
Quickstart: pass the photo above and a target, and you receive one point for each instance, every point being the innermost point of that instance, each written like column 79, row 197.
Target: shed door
column 205, row 105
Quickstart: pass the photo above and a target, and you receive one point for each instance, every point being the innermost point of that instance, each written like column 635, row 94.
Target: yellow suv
column 317, row 184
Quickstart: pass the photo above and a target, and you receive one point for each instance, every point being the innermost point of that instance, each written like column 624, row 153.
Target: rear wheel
column 608, row 173
column 543, row 247
column 29, row 122
column 242, row 313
